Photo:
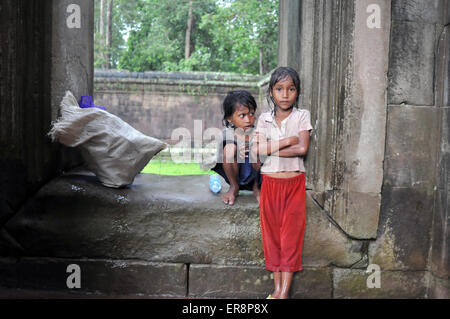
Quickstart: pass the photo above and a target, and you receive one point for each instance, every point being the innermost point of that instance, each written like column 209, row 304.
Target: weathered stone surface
column 324, row 244
column 430, row 11
column 312, row 283
column 405, row 225
column 325, row 71
column 163, row 219
column 410, row 148
column 157, row 104
column 350, row 283
column 117, row 277
column 440, row 260
column 439, row 288
column 158, row 218
column 442, row 67
column 360, row 144
column 72, row 60
column 8, row 271
column 289, row 33
column 214, row 281
column 356, row 212
column 411, row 63
column 407, row 198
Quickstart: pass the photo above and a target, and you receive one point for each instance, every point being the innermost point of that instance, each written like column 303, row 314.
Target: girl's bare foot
column 229, row 197
column 283, row 296
column 276, row 294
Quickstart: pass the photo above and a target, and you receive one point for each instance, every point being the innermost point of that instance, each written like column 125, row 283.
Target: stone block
column 324, row 243
column 173, row 219
column 411, row 63
column 440, row 259
column 350, row 283
column 8, row 272
column 158, row 218
column 403, row 240
column 108, row 277
column 214, row 281
column 442, row 67
column 357, row 213
column 411, row 148
column 431, row 11
column 439, row 288
column 72, row 63
column 312, row 283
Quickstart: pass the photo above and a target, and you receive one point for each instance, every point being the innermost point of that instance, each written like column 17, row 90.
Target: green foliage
column 168, row 167
column 124, row 14
column 227, row 35
column 240, row 29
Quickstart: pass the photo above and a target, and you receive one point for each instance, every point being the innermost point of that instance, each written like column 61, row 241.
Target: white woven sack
column 112, row 149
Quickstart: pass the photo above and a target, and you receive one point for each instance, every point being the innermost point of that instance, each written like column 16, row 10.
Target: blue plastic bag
column 86, row 101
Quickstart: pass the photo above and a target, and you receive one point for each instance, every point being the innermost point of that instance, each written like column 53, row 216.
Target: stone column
column 361, row 142
column 343, row 58
column 289, row 33
column 72, row 59
column 440, row 239
column 413, row 233
column 72, row 50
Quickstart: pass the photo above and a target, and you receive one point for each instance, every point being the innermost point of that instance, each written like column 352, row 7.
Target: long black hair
column 234, row 98
column 279, row 74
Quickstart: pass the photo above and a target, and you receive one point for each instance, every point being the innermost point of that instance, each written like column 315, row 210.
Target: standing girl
column 282, row 136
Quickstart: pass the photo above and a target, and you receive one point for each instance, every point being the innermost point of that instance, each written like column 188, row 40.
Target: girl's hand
column 293, row 140
column 242, row 150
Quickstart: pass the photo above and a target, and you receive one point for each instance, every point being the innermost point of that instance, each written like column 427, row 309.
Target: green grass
column 168, row 167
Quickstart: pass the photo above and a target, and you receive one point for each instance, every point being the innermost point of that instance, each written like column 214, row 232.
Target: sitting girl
column 234, row 163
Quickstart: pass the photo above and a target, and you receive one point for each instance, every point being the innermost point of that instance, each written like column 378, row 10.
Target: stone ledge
column 202, row 76
column 172, row 219
column 351, row 283
column 98, row 277
column 206, row 281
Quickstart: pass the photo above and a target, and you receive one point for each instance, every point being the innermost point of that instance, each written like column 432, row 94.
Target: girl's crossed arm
column 299, row 149
column 287, row 147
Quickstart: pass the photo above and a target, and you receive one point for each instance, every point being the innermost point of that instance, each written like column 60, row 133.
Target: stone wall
column 158, row 103
column 379, row 99
column 415, row 184
column 40, row 58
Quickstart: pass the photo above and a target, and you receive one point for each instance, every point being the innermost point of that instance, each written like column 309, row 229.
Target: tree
column 109, row 26
column 192, row 35
column 123, row 14
column 187, row 49
column 158, row 40
column 245, row 36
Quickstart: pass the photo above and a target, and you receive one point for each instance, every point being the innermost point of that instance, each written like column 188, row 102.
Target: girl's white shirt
column 298, row 120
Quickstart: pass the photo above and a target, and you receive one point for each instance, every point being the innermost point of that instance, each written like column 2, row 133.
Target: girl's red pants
column 283, row 217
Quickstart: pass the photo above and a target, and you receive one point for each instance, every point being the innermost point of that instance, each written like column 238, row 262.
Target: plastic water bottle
column 214, row 183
